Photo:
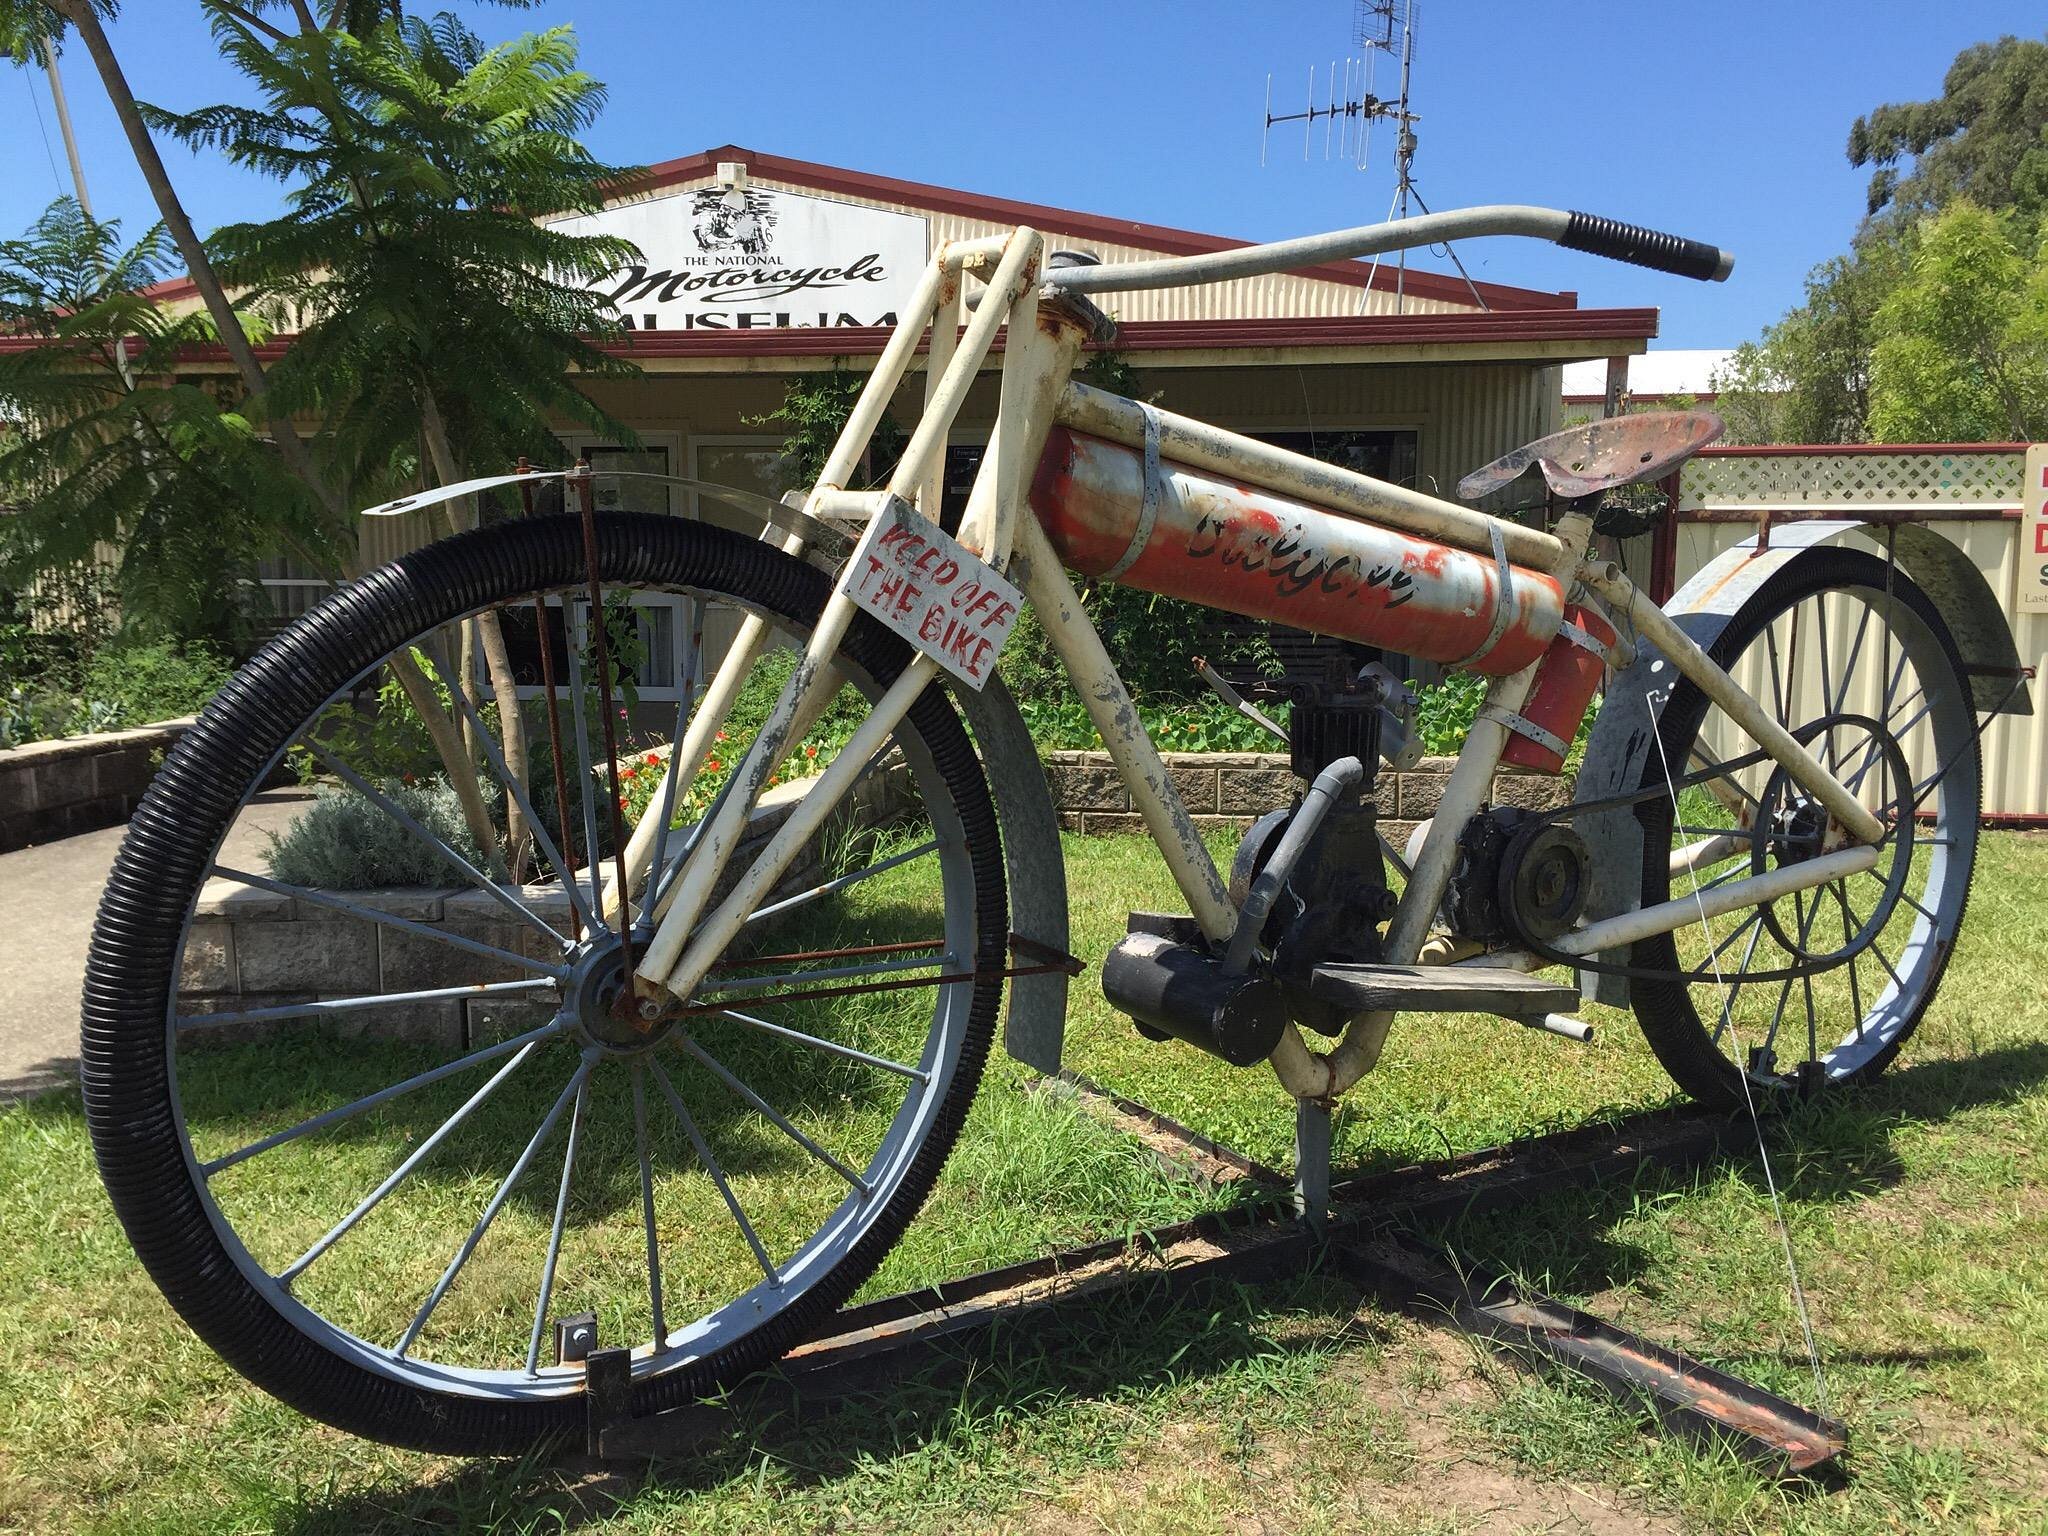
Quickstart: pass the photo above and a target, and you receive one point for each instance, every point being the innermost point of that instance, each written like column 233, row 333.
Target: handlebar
column 1577, row 231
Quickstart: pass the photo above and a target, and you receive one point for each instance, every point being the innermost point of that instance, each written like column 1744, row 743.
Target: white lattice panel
column 1963, row 477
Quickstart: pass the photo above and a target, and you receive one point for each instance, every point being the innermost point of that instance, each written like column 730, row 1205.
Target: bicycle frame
column 1046, row 327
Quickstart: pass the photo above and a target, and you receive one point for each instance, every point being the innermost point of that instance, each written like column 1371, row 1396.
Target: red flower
column 810, row 751
column 713, row 766
column 622, row 802
column 628, row 771
column 774, row 778
column 653, row 760
column 719, row 737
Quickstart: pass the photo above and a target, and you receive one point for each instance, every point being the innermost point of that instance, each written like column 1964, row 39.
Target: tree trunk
column 490, row 634
column 81, row 15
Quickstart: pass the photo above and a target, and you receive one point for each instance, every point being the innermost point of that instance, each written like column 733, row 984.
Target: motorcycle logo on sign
column 719, row 226
column 727, row 259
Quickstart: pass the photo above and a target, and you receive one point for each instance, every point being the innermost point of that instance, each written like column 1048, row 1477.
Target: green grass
column 1918, row 1209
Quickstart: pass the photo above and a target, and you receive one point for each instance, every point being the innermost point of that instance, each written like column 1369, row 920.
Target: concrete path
column 48, row 896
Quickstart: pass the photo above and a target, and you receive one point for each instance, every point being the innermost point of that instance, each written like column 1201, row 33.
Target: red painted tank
column 1256, row 552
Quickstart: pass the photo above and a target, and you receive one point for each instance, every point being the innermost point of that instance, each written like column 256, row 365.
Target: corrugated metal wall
column 2015, row 748
column 1246, row 298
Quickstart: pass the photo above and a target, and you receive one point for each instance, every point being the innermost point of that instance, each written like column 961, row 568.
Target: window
column 1384, row 453
column 669, row 643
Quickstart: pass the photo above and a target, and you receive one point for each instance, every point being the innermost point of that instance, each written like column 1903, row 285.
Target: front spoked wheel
column 381, row 1148
column 1825, row 985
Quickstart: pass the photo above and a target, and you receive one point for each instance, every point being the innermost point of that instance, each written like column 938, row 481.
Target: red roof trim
column 1191, row 335
column 1767, row 450
column 1135, row 336
column 1067, row 221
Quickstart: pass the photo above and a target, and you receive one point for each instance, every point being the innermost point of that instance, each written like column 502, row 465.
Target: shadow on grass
column 1830, row 1150
column 1136, row 1341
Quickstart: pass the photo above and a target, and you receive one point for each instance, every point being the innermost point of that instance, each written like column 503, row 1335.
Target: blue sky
column 1724, row 122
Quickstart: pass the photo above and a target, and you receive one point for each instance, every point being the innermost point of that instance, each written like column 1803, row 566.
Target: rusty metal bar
column 939, row 1330
column 1532, row 1330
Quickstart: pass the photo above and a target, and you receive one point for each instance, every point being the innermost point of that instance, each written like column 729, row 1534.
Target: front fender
column 1035, row 1028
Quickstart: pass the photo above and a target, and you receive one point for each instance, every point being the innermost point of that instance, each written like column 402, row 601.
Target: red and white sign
column 2033, row 596
column 933, row 591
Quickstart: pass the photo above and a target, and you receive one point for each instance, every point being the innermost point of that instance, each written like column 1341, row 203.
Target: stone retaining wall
column 251, row 948
column 1230, row 789
column 51, row 789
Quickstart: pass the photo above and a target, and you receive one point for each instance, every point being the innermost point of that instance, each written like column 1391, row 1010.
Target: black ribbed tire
column 1681, row 1021
column 127, row 1055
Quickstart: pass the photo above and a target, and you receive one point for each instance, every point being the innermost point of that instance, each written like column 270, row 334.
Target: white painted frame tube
column 1684, row 653
column 816, row 678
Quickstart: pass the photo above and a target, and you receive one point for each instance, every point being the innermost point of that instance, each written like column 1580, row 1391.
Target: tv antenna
column 1348, row 107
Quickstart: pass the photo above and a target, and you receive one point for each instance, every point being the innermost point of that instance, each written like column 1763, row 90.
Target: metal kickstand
column 1312, row 1165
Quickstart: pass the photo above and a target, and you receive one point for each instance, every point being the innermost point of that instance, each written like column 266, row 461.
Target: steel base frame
column 1364, row 1230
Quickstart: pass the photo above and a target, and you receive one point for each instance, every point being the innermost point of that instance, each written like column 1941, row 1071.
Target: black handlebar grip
column 1646, row 247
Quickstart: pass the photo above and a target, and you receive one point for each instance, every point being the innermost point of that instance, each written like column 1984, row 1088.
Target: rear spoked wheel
column 377, row 1146
column 1823, row 986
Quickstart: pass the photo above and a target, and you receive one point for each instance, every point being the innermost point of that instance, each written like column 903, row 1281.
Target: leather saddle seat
column 1596, row 457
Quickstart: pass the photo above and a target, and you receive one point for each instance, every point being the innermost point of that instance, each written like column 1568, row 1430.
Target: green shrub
column 345, row 842
column 141, row 684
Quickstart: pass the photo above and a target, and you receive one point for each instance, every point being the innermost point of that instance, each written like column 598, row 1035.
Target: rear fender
column 1623, row 736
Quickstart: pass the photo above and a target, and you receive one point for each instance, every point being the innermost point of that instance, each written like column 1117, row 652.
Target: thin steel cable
column 49, row 154
column 1820, row 1386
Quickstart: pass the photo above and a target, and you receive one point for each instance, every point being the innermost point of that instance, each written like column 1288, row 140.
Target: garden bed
column 51, row 789
column 252, row 948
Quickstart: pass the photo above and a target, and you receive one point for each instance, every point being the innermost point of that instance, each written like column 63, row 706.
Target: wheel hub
column 593, row 995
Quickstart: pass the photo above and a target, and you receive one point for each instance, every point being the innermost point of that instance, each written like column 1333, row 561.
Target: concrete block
column 1090, row 787
column 214, row 1036
column 64, row 781
column 242, row 903
column 1195, row 782
column 504, row 1015
column 1420, row 795
column 438, row 1023
column 1531, row 792
column 17, row 788
column 208, row 964
column 1254, row 791
column 338, row 959
column 120, row 771
column 1110, row 823
column 410, row 962
column 422, row 904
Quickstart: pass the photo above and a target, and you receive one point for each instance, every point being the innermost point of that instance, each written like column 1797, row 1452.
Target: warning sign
column 933, row 591
column 2034, row 533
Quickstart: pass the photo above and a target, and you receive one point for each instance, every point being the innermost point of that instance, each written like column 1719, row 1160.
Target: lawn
column 1915, row 1208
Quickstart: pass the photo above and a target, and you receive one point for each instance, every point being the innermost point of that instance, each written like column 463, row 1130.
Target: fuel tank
column 1251, row 551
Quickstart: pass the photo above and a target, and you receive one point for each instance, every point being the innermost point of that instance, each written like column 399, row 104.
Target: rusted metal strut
column 940, row 1330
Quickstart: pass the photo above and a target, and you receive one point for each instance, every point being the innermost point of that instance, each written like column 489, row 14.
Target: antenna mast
column 1349, row 112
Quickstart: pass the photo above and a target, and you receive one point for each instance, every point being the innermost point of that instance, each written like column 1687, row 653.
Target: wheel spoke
column 1841, row 890
column 1840, row 702
column 725, row 1076
column 554, row 1254
column 390, row 920
column 398, row 1175
column 381, row 1096
column 845, row 882
column 1777, row 676
column 406, row 819
column 517, row 791
column 647, row 1207
column 831, row 1047
column 1741, row 980
column 585, row 774
column 476, row 1234
column 1785, row 993
column 703, row 1150
column 351, row 1004
column 669, row 778
column 829, row 973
